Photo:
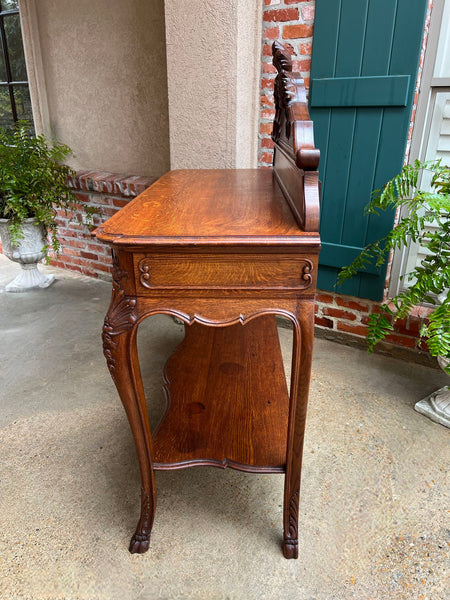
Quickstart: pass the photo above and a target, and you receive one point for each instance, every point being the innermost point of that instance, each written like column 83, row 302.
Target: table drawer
column 223, row 272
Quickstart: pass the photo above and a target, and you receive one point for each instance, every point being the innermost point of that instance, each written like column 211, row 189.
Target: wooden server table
column 224, row 251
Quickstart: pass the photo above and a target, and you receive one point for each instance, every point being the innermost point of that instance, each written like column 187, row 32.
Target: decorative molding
column 121, row 316
column 144, row 268
column 190, row 319
column 306, row 273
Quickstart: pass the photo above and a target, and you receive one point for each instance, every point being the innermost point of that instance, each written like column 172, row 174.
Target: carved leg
column 300, row 377
column 119, row 346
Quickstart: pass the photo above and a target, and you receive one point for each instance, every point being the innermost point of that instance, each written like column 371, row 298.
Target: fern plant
column 33, row 181
column 430, row 280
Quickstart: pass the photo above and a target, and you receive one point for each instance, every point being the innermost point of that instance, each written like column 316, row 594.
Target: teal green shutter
column 363, row 73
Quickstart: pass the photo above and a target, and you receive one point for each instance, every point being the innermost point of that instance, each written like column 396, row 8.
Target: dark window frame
column 10, row 83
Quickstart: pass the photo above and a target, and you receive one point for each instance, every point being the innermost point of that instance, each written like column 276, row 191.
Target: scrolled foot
column 290, row 548
column 140, row 542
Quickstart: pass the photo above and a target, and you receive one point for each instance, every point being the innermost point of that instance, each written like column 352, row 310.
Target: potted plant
column 33, row 184
column 429, row 281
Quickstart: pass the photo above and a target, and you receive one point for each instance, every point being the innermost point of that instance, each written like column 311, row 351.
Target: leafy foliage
column 429, row 279
column 33, row 181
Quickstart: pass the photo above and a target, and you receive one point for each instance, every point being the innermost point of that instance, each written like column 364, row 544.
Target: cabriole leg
column 300, row 378
column 120, row 349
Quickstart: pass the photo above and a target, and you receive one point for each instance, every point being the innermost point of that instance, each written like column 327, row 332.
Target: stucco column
column 213, row 67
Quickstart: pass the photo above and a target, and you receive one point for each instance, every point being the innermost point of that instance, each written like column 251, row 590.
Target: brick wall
column 292, row 23
column 104, row 193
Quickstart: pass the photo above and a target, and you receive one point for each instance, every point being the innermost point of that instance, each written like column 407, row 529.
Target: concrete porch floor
column 374, row 509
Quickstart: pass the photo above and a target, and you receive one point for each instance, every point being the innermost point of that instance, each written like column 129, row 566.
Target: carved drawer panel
column 223, row 272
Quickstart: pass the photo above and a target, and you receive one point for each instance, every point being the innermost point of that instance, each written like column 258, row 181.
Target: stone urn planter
column 436, row 406
column 28, row 252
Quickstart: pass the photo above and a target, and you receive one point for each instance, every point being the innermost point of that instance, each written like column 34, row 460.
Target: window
column 431, row 135
column 15, row 103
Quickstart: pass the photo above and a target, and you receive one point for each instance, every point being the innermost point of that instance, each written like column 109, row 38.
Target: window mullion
column 7, row 68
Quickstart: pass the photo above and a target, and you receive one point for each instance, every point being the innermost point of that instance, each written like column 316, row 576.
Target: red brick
column 305, row 48
column 89, row 272
column 324, row 322
column 75, row 227
column 268, row 113
column 422, row 345
column 140, row 184
column 340, row 314
column 109, row 212
column 268, row 68
column 266, row 101
column 303, row 66
column 415, row 324
column 351, row 304
column 119, row 202
column 266, row 157
column 57, row 263
column 294, row 32
column 73, row 268
column 89, row 255
column 67, row 251
column 271, row 2
column 283, row 14
column 308, row 10
column 77, row 244
column 267, row 84
column 105, row 268
column 271, row 33
column 265, row 128
column 401, row 340
column 100, row 199
column 97, row 247
column 267, row 143
column 356, row 329
column 326, row 298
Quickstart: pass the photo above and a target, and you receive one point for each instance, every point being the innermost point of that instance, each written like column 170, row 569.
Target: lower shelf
column 227, row 400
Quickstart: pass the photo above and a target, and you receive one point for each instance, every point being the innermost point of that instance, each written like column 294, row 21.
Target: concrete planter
column 437, row 405
column 28, row 252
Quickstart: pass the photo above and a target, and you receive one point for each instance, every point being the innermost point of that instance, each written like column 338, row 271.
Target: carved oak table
column 224, row 251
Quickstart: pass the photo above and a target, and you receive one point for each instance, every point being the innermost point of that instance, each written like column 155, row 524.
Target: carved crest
column 281, row 57
column 291, row 130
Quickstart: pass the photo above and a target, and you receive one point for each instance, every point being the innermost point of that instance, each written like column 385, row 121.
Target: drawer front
column 223, row 272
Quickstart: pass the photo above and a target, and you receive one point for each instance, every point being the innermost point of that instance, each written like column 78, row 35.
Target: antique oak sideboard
column 224, row 251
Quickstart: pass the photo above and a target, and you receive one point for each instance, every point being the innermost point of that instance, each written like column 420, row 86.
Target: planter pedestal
column 30, row 277
column 436, row 406
column 28, row 252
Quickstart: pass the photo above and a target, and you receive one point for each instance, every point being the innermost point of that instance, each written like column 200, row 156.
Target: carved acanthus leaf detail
column 121, row 316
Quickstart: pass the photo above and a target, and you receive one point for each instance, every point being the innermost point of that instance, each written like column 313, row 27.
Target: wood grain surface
column 211, row 206
column 228, row 401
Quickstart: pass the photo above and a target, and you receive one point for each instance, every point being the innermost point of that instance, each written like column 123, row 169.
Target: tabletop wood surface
column 207, row 206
